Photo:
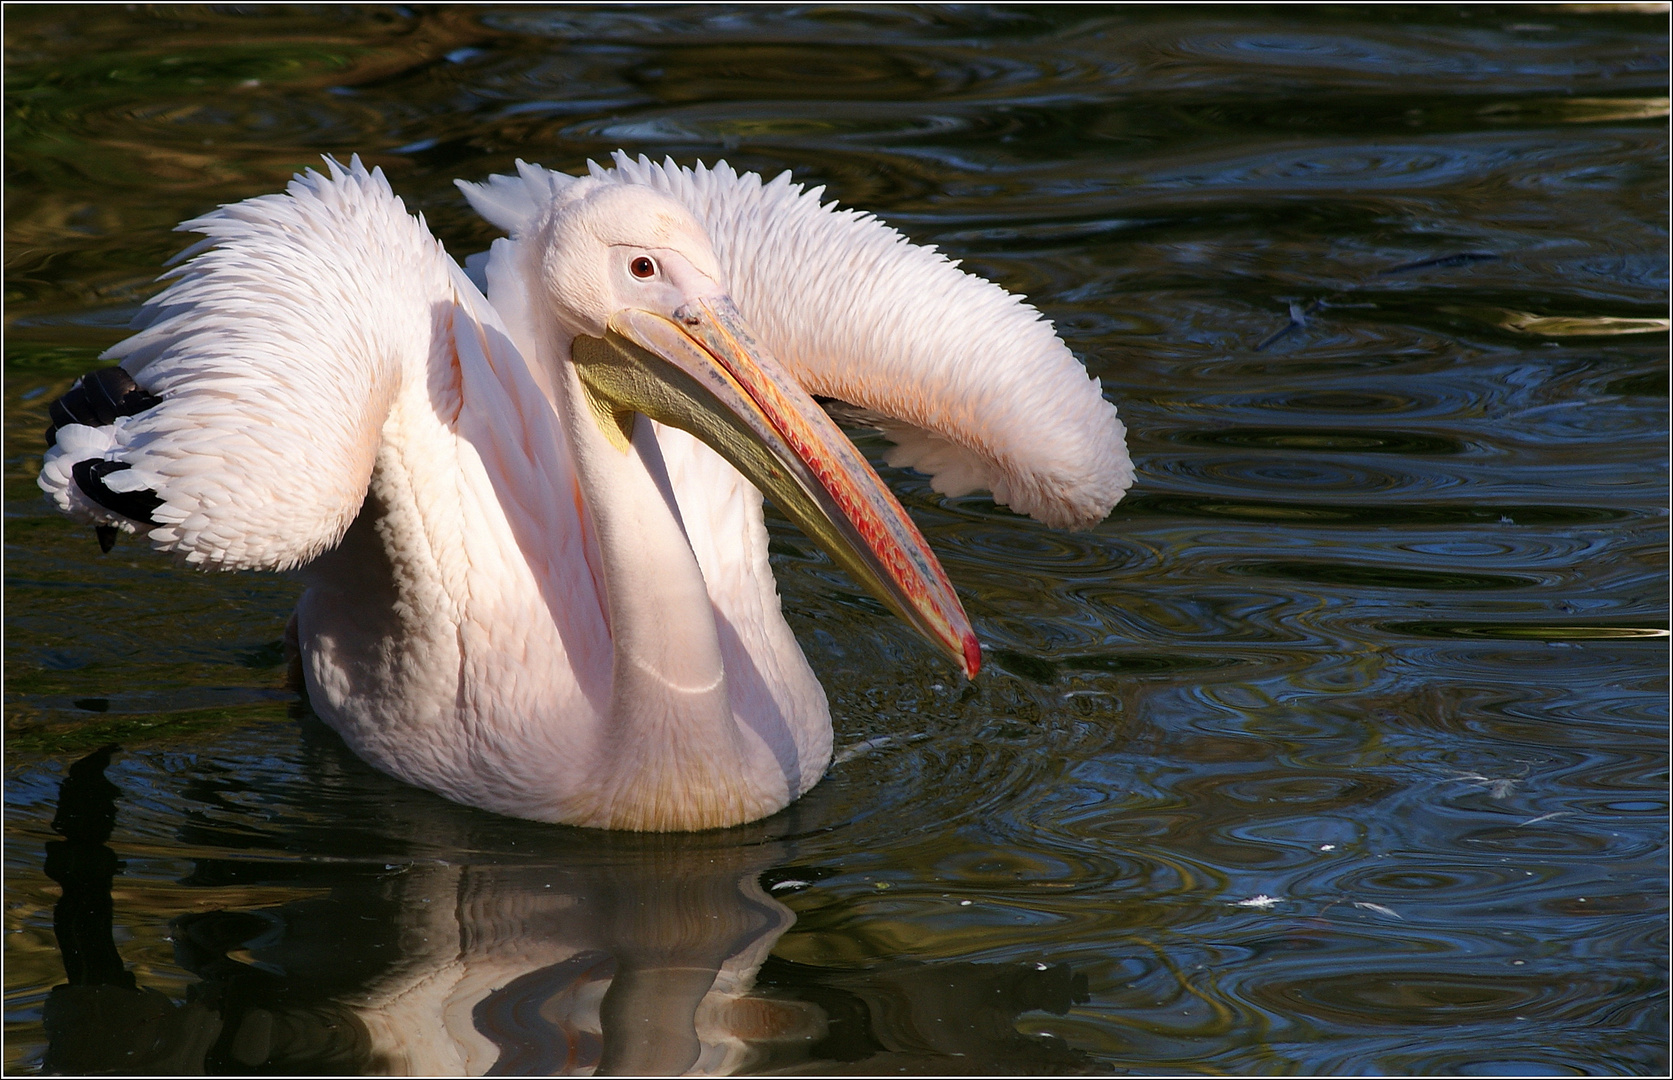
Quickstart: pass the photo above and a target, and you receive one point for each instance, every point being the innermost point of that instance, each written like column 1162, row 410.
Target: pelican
column 526, row 500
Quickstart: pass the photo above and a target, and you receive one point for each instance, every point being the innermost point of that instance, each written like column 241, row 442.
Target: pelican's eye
column 642, row 267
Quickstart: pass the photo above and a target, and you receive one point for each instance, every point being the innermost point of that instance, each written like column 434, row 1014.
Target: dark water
column 1340, row 747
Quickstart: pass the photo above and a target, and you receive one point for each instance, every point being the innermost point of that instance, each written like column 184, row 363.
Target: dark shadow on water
column 101, row 1020
column 961, row 1019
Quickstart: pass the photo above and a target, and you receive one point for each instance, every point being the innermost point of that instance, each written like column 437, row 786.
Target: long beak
column 704, row 372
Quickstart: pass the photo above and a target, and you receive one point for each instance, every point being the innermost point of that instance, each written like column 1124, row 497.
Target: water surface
column 1339, row 747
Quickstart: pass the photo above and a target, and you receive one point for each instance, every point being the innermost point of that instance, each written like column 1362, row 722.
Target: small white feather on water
column 1380, row 909
column 860, row 749
column 1260, row 903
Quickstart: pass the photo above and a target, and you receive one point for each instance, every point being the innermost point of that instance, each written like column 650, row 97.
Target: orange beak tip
column 972, row 656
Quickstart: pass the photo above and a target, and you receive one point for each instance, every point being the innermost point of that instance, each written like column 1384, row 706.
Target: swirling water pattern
column 1340, row 747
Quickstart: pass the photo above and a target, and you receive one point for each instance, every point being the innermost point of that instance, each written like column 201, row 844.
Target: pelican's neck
column 670, row 754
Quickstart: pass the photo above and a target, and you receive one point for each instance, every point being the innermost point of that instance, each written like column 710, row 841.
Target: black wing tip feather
column 97, row 399
column 90, row 478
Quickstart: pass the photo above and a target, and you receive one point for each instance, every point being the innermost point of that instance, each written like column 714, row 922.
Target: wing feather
column 276, row 351
column 972, row 384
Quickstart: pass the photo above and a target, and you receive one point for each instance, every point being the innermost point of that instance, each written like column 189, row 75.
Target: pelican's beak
column 704, row 372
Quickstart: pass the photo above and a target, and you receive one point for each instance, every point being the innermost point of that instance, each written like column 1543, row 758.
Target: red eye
column 642, row 267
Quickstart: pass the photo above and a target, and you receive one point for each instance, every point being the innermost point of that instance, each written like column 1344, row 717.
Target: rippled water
column 1340, row 747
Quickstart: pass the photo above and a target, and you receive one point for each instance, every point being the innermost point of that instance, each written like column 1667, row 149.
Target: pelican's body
column 521, row 594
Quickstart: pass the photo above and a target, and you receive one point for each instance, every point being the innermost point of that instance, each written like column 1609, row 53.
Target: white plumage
column 507, row 603
column 987, row 399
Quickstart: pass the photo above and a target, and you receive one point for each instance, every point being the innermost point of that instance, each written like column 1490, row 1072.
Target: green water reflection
column 1340, row 747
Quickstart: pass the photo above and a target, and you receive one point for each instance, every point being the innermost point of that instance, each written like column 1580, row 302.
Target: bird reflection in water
column 602, row 954
column 101, row 1020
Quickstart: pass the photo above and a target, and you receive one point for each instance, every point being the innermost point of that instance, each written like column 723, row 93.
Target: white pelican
column 527, row 588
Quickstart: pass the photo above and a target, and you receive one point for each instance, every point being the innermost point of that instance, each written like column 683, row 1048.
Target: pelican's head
column 631, row 277
column 603, row 249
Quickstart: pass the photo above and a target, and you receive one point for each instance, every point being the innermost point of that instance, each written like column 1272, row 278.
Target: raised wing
column 258, row 383
column 970, row 382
